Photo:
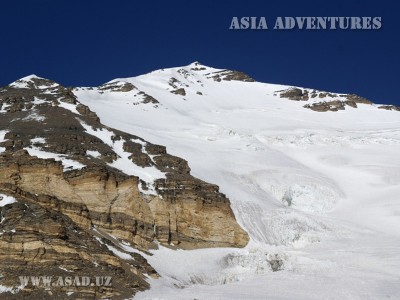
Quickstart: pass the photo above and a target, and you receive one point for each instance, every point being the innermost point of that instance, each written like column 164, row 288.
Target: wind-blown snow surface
column 317, row 192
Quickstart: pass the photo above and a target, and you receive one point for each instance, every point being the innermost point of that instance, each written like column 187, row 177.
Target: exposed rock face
column 180, row 91
column 36, row 241
column 334, row 105
column 389, row 107
column 295, row 94
column 85, row 111
column 147, row 98
column 190, row 213
column 358, row 99
column 117, row 87
column 63, row 206
column 229, row 75
column 125, row 87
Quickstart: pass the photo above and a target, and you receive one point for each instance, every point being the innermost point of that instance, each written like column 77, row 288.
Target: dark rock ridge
column 229, row 75
column 124, row 87
column 295, row 94
column 389, row 107
column 331, row 102
column 334, row 105
column 358, row 99
column 67, row 214
column 180, row 91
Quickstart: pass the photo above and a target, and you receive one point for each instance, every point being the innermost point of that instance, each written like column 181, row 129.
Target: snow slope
column 2, row 136
column 316, row 191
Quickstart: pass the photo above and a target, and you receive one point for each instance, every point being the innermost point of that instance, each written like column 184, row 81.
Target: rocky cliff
column 88, row 195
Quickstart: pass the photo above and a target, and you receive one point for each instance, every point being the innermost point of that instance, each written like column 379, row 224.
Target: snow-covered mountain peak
column 194, row 74
column 29, row 78
column 191, row 68
column 206, row 86
column 313, row 176
column 198, row 67
column 195, row 64
column 33, row 81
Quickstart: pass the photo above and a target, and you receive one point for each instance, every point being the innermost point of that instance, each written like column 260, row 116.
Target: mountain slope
column 312, row 176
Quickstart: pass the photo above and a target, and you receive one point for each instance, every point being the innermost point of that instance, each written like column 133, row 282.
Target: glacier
column 318, row 192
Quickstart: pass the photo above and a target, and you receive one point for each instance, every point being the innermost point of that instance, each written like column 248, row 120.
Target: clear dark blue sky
column 86, row 43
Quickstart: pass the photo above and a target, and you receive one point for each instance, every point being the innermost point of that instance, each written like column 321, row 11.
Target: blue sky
column 87, row 43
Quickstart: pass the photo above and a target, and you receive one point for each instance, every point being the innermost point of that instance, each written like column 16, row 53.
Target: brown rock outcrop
column 196, row 213
column 389, row 107
column 358, row 99
column 333, row 105
column 295, row 94
column 36, row 241
column 229, row 75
